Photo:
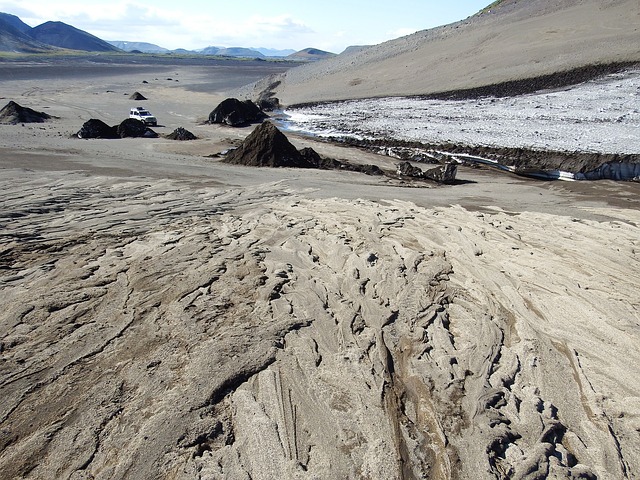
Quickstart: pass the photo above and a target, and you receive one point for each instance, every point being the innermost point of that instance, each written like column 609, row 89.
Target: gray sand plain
column 164, row 315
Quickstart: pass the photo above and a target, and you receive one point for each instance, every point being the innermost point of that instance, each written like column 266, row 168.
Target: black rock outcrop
column 12, row 114
column 130, row 127
column 441, row 174
column 181, row 134
column 236, row 113
column 95, row 128
column 325, row 163
column 269, row 104
column 267, row 146
column 405, row 169
column 267, row 100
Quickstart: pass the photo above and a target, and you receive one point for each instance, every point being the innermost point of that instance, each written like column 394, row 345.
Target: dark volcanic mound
column 95, row 128
column 267, row 146
column 134, row 128
column 236, row 113
column 130, row 127
column 181, row 134
column 12, row 114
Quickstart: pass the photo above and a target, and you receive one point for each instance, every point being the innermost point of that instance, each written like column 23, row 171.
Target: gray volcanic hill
column 512, row 40
column 210, row 50
column 354, row 48
column 14, row 36
column 274, row 52
column 62, row 35
column 310, row 54
column 143, row 47
column 239, row 52
column 231, row 52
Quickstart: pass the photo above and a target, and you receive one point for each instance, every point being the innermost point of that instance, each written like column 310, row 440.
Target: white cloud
column 255, row 30
column 191, row 28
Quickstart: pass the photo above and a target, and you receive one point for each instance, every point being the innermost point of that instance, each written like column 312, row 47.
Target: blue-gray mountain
column 16, row 36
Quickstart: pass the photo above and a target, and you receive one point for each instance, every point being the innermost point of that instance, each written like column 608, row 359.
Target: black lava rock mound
column 181, row 134
column 267, row 146
column 13, row 113
column 236, row 113
column 134, row 128
column 95, row 128
column 130, row 127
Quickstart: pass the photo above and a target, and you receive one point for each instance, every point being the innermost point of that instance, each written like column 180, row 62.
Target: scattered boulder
column 137, row 96
column 441, row 174
column 95, row 128
column 405, row 169
column 132, row 127
column 236, row 113
column 181, row 134
column 324, row 163
column 267, row 146
column 12, row 114
column 368, row 169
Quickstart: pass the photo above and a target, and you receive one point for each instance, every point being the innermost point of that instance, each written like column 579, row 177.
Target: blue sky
column 326, row 24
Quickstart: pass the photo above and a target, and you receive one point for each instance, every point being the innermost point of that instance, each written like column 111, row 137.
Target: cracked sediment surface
column 154, row 330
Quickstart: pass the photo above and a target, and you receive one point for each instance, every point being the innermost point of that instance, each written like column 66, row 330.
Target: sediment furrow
column 254, row 333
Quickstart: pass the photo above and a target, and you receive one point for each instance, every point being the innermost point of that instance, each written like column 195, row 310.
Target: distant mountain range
column 143, row 47
column 308, row 54
column 18, row 37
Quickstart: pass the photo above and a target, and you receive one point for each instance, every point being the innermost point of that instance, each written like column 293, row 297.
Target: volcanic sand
column 165, row 315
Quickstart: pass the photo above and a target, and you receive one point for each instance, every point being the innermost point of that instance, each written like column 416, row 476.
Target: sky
column 330, row 25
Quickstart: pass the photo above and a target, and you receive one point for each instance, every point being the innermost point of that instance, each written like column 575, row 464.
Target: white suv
column 142, row 114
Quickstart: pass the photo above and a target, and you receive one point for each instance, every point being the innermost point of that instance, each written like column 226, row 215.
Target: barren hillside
column 515, row 40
